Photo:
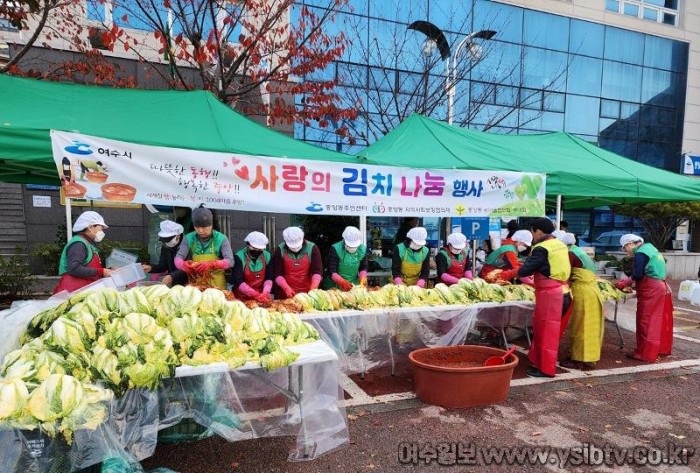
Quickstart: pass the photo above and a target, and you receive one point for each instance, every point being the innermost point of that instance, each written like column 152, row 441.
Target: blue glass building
column 621, row 89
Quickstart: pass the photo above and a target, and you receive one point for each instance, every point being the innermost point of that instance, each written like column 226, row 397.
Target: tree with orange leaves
column 254, row 55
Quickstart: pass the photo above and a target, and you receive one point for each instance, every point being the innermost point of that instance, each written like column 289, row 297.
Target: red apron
column 456, row 268
column 654, row 319
column 548, row 324
column 255, row 279
column 297, row 273
column 71, row 283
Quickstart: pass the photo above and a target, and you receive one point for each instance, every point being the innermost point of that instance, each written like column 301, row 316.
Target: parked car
column 610, row 241
column 583, row 242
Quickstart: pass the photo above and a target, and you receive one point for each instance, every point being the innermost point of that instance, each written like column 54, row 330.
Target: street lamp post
column 475, row 51
column 436, row 35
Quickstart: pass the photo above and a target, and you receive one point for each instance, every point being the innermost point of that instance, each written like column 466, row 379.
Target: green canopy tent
column 196, row 120
column 191, row 120
column 583, row 174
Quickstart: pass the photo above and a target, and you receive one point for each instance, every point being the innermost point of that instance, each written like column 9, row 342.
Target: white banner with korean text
column 103, row 169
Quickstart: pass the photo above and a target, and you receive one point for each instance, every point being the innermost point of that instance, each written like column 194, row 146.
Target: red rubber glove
column 508, row 275
column 190, row 266
column 421, row 283
column 315, row 281
column 267, row 287
column 248, row 291
column 627, row 282
column 289, row 292
column 468, row 274
column 218, row 264
column 263, row 298
column 448, row 279
column 398, row 281
column 529, row 280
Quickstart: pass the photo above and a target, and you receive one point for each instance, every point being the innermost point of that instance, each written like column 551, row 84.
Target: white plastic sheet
column 301, row 399
column 369, row 339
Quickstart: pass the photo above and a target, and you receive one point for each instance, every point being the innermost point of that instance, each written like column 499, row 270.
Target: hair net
column 257, row 240
column 86, row 219
column 523, row 236
column 457, row 240
column 418, row 235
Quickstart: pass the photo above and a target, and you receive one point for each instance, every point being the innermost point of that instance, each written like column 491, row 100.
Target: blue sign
column 692, row 165
column 42, row 187
column 475, row 228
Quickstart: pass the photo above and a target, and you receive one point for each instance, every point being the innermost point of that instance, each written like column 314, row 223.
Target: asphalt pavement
column 622, row 416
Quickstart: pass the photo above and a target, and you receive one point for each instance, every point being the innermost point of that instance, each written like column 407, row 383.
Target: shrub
column 16, row 280
column 50, row 256
column 50, row 253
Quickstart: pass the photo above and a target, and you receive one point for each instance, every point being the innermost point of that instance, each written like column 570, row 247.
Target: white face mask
column 172, row 243
column 415, row 246
column 99, row 236
column 455, row 251
column 350, row 249
column 294, row 249
column 521, row 248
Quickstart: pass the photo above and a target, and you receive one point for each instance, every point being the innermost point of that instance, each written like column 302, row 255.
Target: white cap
column 569, row 239
column 418, row 235
column 630, row 238
column 523, row 236
column 86, row 219
column 352, row 237
column 169, row 229
column 293, row 236
column 457, row 240
column 257, row 240
column 559, row 235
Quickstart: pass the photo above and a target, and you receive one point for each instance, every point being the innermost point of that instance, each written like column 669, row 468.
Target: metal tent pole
column 363, row 228
column 69, row 218
column 558, row 211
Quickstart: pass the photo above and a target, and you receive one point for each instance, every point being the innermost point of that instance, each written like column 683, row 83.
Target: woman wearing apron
column 654, row 300
column 252, row 272
column 206, row 245
column 347, row 260
column 549, row 262
column 80, row 262
column 410, row 262
column 587, row 320
column 297, row 264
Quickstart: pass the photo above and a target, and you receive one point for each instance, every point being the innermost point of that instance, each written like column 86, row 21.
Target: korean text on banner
column 116, row 171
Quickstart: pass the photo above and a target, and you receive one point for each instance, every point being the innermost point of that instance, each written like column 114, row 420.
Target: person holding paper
column 297, row 264
column 347, row 260
column 410, row 262
column 654, row 300
column 252, row 270
column 452, row 261
column 80, row 262
column 205, row 253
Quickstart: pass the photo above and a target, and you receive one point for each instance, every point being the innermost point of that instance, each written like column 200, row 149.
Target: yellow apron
column 587, row 318
column 218, row 279
column 410, row 271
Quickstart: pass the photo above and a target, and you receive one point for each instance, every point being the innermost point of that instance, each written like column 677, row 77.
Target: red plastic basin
column 455, row 376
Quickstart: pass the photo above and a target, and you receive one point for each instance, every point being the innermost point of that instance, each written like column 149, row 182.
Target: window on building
column 659, row 11
column 5, row 25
